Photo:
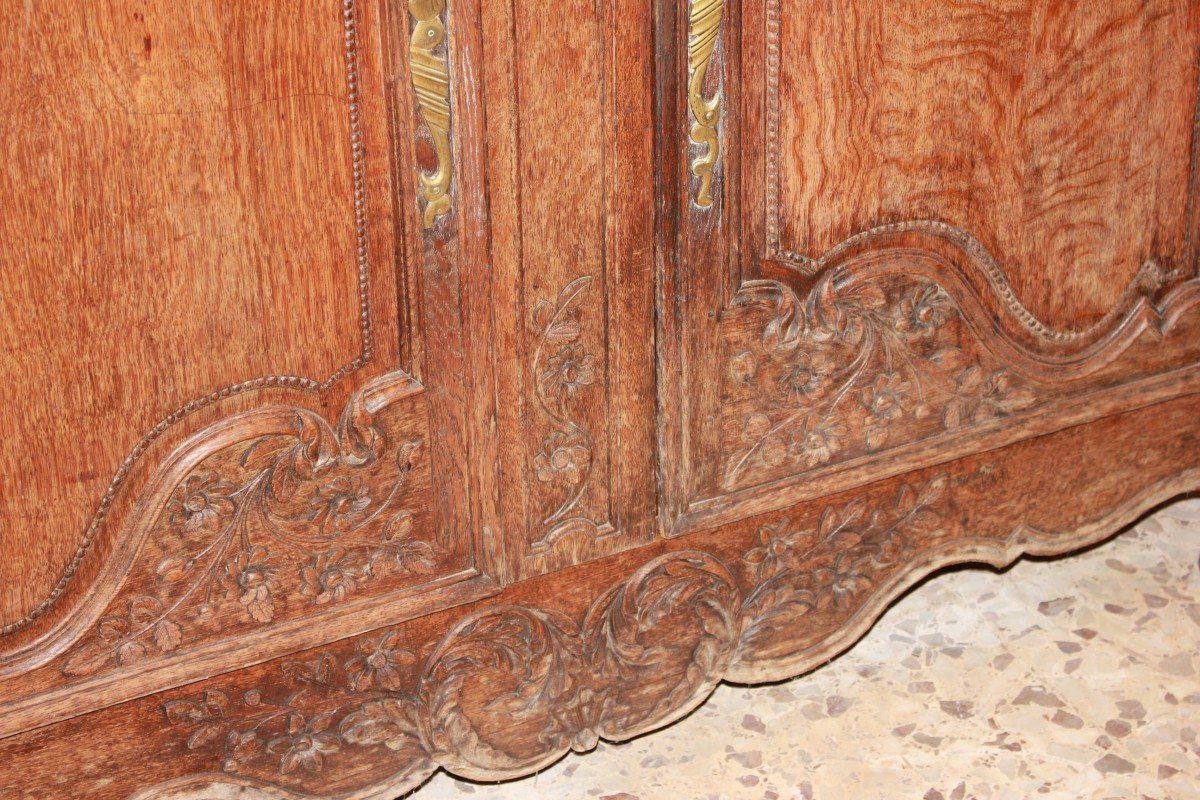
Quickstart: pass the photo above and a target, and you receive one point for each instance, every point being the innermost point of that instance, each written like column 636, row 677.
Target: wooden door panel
column 252, row 385
column 909, row 228
column 154, row 173
column 1008, row 121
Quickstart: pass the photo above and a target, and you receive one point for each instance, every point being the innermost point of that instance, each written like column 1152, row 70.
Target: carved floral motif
column 564, row 372
column 807, row 578
column 853, row 369
column 511, row 688
column 310, row 517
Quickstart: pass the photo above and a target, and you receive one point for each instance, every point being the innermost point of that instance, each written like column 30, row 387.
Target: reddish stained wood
column 1057, row 134
column 499, row 688
column 181, row 219
column 578, row 325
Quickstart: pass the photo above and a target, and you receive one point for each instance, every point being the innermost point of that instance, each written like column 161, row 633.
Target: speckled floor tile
column 1070, row 678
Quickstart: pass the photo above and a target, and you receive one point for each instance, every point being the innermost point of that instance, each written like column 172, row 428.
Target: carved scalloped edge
column 458, row 747
column 362, row 263
column 1024, row 540
column 1148, row 279
column 1142, row 315
column 359, row 409
column 979, row 256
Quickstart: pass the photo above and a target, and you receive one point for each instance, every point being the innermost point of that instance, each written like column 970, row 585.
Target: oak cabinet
column 453, row 383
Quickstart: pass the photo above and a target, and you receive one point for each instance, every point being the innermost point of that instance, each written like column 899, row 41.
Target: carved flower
column 818, row 441
column 561, row 458
column 201, row 500
column 923, row 311
column 805, row 378
column 339, row 503
column 250, row 578
column 775, row 549
column 568, row 370
column 328, row 577
column 884, row 399
column 981, row 396
column 846, row 580
column 378, row 664
column 305, row 744
column 998, row 396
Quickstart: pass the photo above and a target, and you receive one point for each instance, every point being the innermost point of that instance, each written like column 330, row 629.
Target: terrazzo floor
column 1071, row 678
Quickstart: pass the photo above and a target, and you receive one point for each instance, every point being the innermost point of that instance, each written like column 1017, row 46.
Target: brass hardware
column 431, row 84
column 704, row 24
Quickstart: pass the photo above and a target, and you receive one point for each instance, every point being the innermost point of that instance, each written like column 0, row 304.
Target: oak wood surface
column 698, row 331
column 1013, row 121
column 180, row 218
column 612, row 649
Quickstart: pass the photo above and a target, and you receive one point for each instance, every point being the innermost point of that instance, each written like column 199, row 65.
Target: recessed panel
column 1055, row 134
column 178, row 217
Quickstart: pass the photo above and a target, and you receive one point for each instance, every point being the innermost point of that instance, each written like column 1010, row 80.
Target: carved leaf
column 390, row 722
column 895, row 342
column 167, row 636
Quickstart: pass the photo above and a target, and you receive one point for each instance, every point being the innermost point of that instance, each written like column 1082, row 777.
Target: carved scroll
column 565, row 371
column 704, row 25
column 277, row 515
column 511, row 688
column 648, row 651
column 431, row 83
column 852, row 369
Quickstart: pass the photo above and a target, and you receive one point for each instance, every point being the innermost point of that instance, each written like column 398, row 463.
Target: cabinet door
column 245, row 372
column 913, row 230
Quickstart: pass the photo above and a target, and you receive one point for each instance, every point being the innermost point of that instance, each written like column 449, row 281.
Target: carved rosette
column 704, row 27
column 858, row 366
column 428, row 62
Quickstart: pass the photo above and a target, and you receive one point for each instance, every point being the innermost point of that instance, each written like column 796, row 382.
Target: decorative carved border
column 1149, row 274
column 704, row 27
column 852, row 367
column 299, row 516
column 259, row 520
column 885, row 352
column 362, row 262
column 511, row 688
column 563, row 370
column 429, row 65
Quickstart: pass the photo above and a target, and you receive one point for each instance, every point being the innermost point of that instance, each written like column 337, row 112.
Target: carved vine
column 307, row 517
column 512, row 688
column 854, row 368
column 564, row 371
column 806, row 580
column 430, row 70
column 704, row 26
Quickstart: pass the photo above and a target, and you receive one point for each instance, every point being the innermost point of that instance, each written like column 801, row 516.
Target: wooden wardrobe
column 392, row 386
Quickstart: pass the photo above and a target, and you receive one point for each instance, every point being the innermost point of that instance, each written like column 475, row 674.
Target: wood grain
column 1020, row 161
column 181, row 219
column 569, row 100
column 699, row 332
column 501, row 688
column 1057, row 134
